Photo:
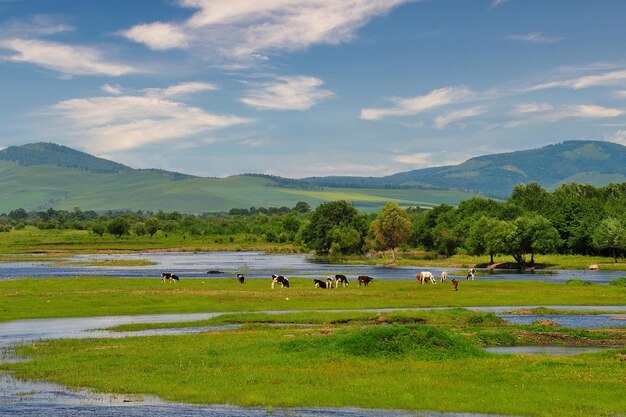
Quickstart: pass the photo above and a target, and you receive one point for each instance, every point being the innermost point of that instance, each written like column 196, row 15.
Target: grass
column 97, row 296
column 390, row 367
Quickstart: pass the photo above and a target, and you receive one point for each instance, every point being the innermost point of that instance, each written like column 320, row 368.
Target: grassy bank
column 397, row 366
column 82, row 297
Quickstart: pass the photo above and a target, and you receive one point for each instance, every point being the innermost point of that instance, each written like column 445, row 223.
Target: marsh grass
column 97, row 296
column 390, row 367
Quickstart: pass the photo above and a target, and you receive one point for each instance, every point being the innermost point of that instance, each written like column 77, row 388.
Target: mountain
column 594, row 162
column 41, row 175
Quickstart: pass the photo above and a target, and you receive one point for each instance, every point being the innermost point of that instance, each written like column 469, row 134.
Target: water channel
column 261, row 265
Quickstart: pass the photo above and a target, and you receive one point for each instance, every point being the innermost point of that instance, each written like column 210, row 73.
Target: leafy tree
column 445, row 240
column 495, row 238
column 392, row 228
column 118, row 227
column 610, row 235
column 302, row 207
column 18, row 214
column 345, row 240
column 531, row 233
column 152, row 225
column 98, row 228
column 532, row 197
column 327, row 217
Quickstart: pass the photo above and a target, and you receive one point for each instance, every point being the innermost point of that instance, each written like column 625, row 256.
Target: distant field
column 35, row 188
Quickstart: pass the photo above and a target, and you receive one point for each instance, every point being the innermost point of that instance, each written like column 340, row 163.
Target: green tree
column 118, row 227
column 445, row 239
column 495, row 238
column 531, row 233
column 302, row 207
column 98, row 228
column 532, row 197
column 610, row 235
column 327, row 217
column 392, row 228
column 345, row 240
column 152, row 225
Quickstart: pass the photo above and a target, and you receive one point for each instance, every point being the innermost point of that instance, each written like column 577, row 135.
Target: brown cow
column 364, row 279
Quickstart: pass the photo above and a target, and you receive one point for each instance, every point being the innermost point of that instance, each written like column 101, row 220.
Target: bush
column 577, row 282
column 496, row 339
column 621, row 282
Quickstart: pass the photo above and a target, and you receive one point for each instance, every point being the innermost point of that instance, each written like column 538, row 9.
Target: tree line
column 573, row 219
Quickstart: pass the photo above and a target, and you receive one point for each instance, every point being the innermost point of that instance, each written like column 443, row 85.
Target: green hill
column 37, row 176
column 594, row 162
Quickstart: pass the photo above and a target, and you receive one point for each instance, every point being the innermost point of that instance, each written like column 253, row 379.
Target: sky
column 301, row 88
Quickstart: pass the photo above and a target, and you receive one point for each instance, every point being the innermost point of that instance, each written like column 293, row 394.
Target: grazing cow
column 241, row 279
column 341, row 279
column 455, row 283
column 169, row 277
column 284, row 282
column 329, row 283
column 425, row 277
column 470, row 274
column 318, row 283
column 444, row 276
column 364, row 279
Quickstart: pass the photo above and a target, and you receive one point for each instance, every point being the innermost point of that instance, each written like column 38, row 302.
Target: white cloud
column 604, row 79
column 111, row 124
column 181, row 90
column 418, row 104
column 445, row 119
column 528, row 108
column 580, row 111
column 619, row 137
column 243, row 28
column 158, row 36
column 38, row 25
column 496, row 3
column 534, row 37
column 66, row 59
column 114, row 90
column 287, row 93
column 416, row 159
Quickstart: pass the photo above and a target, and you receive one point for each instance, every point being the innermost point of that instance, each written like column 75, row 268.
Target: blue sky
column 310, row 87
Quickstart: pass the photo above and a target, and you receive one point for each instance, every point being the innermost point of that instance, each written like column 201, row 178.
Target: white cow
column 425, row 276
column 444, row 276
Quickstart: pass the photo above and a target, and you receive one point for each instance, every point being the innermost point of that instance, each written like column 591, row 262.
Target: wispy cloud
column 445, row 119
column 534, row 37
column 66, row 59
column 287, row 93
column 111, row 124
column 496, row 3
column 39, row 25
column 604, row 79
column 551, row 114
column 418, row 104
column 247, row 29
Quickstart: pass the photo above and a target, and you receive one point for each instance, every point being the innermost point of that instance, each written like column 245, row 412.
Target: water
column 545, row 350
column 591, row 321
column 260, row 265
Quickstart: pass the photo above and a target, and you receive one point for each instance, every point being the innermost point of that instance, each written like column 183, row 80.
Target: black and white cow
column 364, row 279
column 318, row 283
column 284, row 282
column 241, row 279
column 169, row 277
column 470, row 274
column 329, row 283
column 341, row 279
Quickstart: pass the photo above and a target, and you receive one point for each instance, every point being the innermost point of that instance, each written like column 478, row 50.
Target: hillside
column 594, row 162
column 38, row 176
column 42, row 175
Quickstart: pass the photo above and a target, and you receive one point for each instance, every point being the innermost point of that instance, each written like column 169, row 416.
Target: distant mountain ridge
column 41, row 175
column 594, row 162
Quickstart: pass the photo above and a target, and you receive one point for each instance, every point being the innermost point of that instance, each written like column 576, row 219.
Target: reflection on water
column 260, row 265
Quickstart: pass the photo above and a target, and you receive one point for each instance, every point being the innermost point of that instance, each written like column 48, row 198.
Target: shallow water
column 590, row 321
column 545, row 350
column 260, row 265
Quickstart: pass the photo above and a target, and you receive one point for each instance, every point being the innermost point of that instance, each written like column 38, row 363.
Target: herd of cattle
column 423, row 277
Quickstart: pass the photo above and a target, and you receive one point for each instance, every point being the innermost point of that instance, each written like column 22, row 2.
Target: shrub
column 621, row 282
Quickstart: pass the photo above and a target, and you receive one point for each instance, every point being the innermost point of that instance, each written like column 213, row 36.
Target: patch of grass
column 621, row 282
column 398, row 362
column 96, row 296
column 491, row 338
column 577, row 282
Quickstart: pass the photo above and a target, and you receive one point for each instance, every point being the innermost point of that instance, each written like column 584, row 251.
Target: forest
column 575, row 219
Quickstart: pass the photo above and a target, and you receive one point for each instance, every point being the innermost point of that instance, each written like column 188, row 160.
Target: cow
column 169, row 277
column 444, row 276
column 341, row 279
column 318, row 283
column 284, row 282
column 455, row 283
column 425, row 277
column 329, row 283
column 241, row 279
column 470, row 274
column 364, row 279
